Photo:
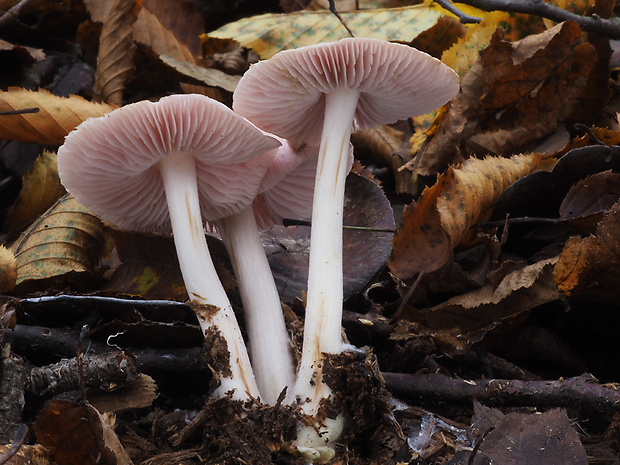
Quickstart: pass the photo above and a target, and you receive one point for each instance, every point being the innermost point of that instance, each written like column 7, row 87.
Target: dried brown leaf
column 515, row 94
column 595, row 194
column 41, row 188
column 590, row 266
column 384, row 146
column 28, row 455
column 518, row 291
column 64, row 243
column 79, row 435
column 35, row 54
column 208, row 76
column 170, row 28
column 57, row 116
column 436, row 222
column 115, row 60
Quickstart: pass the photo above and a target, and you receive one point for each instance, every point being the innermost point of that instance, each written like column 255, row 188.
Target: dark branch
column 606, row 27
column 463, row 17
column 582, row 392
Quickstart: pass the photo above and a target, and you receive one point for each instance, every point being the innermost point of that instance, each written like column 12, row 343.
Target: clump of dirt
column 373, row 436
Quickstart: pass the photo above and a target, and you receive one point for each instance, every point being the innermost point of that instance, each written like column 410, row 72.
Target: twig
column 20, row 437
column 19, row 112
column 13, row 13
column 606, row 27
column 464, row 18
column 80, row 363
column 332, row 8
column 582, row 391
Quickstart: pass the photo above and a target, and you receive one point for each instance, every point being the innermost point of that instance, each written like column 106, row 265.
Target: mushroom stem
column 322, row 327
column 268, row 338
column 201, row 280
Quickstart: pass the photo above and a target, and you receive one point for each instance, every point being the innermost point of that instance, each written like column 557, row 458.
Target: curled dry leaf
column 208, row 76
column 65, row 241
column 57, row 116
column 479, row 310
column 33, row 54
column 590, row 266
column 515, row 94
column 384, row 146
column 170, row 28
column 439, row 219
column 41, row 188
column 595, row 194
column 116, row 53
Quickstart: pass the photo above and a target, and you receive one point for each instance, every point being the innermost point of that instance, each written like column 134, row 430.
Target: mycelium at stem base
column 201, row 280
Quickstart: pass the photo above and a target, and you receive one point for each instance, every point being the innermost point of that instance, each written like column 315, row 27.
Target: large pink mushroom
column 169, row 166
column 321, row 93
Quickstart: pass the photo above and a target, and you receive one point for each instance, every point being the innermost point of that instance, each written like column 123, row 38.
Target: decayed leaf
column 64, row 242
column 384, row 146
column 270, row 33
column 364, row 250
column 41, row 188
column 28, row 455
column 79, row 435
column 591, row 266
column 440, row 37
column 517, row 292
column 532, row 438
column 57, row 116
column 99, row 10
column 170, row 28
column 464, row 54
column 209, row 76
column 35, row 54
column 434, row 225
column 8, row 270
column 116, row 53
column 515, row 94
column 592, row 195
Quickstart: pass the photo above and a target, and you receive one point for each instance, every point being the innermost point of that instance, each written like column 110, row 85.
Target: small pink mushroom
column 169, row 166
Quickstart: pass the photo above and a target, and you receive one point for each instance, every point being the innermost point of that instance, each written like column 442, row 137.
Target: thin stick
column 332, row 8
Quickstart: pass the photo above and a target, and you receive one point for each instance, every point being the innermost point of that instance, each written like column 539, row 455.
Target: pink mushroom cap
column 285, row 94
column 287, row 190
column 110, row 163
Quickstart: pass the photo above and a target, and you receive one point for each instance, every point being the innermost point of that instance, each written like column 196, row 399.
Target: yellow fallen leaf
column 270, row 33
column 57, row 116
column 41, row 188
column 8, row 270
column 63, row 243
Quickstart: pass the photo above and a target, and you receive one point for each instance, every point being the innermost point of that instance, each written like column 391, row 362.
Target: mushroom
column 321, row 92
column 168, row 166
column 286, row 192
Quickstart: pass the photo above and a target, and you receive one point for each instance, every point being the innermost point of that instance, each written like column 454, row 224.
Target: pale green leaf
column 270, row 33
